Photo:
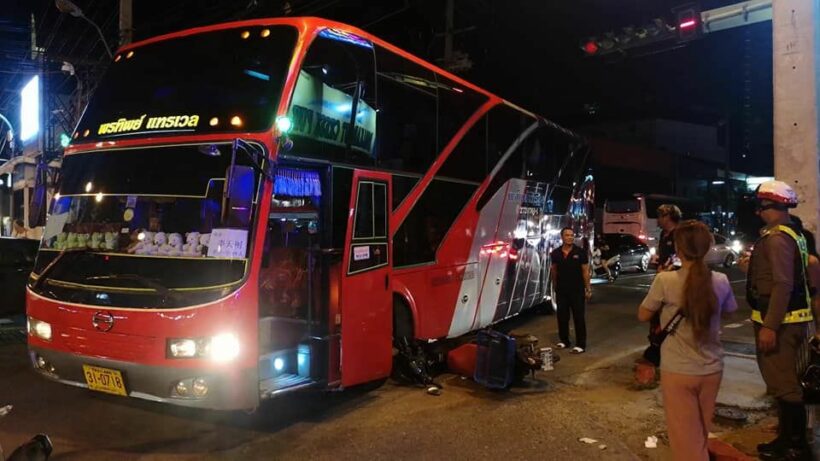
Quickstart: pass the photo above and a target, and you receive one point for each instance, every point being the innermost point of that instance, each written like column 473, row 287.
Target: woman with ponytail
column 691, row 356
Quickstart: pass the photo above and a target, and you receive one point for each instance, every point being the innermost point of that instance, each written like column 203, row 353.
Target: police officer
column 571, row 278
column 778, row 292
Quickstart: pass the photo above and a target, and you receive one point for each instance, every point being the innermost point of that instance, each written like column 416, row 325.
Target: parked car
column 724, row 252
column 634, row 254
column 16, row 262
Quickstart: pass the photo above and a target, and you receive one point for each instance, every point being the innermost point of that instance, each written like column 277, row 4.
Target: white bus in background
column 630, row 216
column 637, row 216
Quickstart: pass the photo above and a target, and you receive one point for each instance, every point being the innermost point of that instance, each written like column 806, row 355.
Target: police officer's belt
column 798, row 315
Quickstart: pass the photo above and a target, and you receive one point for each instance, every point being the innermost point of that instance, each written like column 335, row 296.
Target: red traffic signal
column 590, row 47
column 688, row 22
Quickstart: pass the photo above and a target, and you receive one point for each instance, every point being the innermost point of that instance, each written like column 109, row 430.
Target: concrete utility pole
column 126, row 22
column 796, row 83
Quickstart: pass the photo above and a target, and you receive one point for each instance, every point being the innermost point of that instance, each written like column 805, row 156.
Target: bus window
column 421, row 233
column 455, row 105
column 623, row 206
column 402, row 185
column 468, row 160
column 370, row 226
column 293, row 230
column 505, row 125
column 407, row 114
column 337, row 78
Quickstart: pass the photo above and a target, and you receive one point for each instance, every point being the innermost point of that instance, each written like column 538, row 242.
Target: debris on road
column 651, row 442
column 587, row 440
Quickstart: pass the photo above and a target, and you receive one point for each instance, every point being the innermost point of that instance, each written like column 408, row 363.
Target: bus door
column 366, row 301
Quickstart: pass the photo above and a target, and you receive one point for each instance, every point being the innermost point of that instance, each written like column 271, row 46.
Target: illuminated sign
column 344, row 36
column 30, row 109
column 124, row 125
column 323, row 113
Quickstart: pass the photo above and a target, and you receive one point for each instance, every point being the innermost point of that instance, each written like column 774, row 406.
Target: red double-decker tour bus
column 256, row 207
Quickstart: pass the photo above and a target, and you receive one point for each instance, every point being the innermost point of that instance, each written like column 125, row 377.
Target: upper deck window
column 221, row 81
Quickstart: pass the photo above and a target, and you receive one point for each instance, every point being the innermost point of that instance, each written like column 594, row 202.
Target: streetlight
column 67, row 6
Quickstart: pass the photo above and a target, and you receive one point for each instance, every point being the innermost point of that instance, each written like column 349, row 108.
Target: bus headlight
column 224, row 347
column 220, row 348
column 38, row 328
column 182, row 348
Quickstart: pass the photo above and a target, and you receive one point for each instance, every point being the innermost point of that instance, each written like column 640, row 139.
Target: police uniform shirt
column 666, row 247
column 569, row 274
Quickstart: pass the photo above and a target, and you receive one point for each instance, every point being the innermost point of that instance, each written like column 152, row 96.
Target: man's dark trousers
column 572, row 302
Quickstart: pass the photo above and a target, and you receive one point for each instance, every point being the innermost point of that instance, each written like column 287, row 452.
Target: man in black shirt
column 570, row 276
column 668, row 219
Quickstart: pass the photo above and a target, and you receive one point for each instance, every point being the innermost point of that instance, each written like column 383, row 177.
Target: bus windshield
column 144, row 237
column 623, row 206
column 201, row 83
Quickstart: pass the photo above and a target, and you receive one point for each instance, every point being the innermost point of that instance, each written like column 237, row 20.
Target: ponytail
column 699, row 304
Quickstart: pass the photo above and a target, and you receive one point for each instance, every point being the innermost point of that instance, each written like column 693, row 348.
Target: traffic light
column 688, row 22
column 590, row 47
column 628, row 37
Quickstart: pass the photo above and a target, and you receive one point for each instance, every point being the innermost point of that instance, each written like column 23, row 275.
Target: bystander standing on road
column 777, row 289
column 571, row 279
column 668, row 218
column 691, row 356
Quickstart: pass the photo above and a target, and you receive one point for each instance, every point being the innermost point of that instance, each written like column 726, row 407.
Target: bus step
column 284, row 382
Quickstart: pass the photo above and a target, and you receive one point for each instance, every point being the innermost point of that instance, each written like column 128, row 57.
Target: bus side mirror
column 239, row 196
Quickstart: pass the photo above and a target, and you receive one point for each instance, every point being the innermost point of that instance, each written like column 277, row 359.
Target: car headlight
column 38, row 328
column 652, row 251
column 220, row 348
column 737, row 247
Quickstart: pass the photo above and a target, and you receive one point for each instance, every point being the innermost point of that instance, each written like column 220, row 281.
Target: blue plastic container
column 495, row 359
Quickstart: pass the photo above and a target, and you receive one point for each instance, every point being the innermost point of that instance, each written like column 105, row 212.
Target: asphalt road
column 589, row 395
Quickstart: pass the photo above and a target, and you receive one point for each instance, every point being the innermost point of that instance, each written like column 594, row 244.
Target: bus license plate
column 104, row 380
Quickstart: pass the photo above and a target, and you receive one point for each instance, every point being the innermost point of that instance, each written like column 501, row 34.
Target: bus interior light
column 236, row 121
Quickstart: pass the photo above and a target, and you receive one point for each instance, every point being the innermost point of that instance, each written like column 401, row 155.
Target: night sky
column 524, row 50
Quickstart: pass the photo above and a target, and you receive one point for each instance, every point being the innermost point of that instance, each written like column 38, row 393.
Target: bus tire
column 402, row 336
column 402, row 319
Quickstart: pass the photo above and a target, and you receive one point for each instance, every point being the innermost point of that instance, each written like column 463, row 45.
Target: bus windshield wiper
column 161, row 289
column 44, row 274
